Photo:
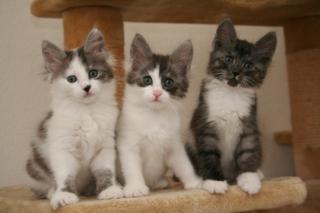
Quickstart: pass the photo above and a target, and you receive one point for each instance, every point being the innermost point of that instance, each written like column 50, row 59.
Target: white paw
column 214, row 186
column 60, row 199
column 112, row 192
column 135, row 190
column 249, row 182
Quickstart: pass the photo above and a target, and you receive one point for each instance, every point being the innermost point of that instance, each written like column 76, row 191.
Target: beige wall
column 24, row 96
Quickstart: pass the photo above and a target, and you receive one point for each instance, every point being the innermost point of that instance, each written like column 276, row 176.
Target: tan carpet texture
column 275, row 193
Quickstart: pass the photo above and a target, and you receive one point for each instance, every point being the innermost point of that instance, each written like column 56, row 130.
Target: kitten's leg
column 103, row 170
column 248, row 158
column 131, row 165
column 65, row 168
column 208, row 157
column 182, row 167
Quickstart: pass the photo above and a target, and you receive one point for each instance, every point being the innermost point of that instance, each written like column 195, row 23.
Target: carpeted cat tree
column 301, row 21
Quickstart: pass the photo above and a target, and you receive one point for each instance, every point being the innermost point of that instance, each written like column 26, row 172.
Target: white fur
column 226, row 105
column 81, row 133
column 149, row 141
column 249, row 182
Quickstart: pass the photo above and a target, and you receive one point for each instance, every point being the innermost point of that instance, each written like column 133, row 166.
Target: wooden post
column 303, row 54
column 77, row 23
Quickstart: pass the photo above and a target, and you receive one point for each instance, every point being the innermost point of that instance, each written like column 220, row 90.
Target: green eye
column 93, row 73
column 147, row 80
column 228, row 59
column 71, row 78
column 168, row 83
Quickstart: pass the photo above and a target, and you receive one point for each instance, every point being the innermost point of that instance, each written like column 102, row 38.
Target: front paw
column 249, row 182
column 214, row 186
column 135, row 190
column 60, row 198
column 196, row 184
column 112, row 192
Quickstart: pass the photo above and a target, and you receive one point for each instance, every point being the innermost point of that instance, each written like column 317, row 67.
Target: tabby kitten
column 149, row 128
column 74, row 151
column 226, row 143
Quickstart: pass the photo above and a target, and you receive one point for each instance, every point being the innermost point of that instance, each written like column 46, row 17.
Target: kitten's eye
column 168, row 83
column 93, row 73
column 147, row 80
column 248, row 65
column 71, row 78
column 228, row 59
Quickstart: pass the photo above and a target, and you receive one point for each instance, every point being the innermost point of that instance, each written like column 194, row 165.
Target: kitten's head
column 238, row 62
column 80, row 74
column 159, row 78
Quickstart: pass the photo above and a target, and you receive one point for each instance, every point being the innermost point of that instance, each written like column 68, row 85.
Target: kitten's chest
column 226, row 107
column 228, row 104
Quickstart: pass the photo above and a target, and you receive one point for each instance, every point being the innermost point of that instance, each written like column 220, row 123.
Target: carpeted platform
column 275, row 193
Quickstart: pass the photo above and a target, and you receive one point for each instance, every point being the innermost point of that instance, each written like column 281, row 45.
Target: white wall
column 24, row 96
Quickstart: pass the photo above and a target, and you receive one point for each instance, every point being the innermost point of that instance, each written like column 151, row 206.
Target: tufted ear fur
column 265, row 46
column 95, row 45
column 53, row 56
column 226, row 35
column 181, row 58
column 140, row 52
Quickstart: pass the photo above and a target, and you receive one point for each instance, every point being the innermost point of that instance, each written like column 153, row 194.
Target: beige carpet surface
column 275, row 193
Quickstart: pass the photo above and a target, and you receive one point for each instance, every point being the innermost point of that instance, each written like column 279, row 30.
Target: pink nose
column 157, row 93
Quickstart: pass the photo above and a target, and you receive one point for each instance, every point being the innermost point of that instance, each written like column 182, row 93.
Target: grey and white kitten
column 74, row 151
column 148, row 139
column 226, row 142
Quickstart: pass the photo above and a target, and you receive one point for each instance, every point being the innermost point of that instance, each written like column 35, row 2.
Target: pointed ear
column 266, row 45
column 140, row 52
column 226, row 35
column 95, row 44
column 54, row 57
column 181, row 58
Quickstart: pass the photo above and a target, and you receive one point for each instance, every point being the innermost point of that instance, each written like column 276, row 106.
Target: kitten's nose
column 157, row 93
column 87, row 88
column 235, row 73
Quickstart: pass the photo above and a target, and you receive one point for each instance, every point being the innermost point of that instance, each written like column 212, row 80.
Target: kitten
column 226, row 143
column 149, row 130
column 74, row 151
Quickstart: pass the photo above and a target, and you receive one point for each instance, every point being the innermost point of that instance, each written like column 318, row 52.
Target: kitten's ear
column 140, row 52
column 53, row 56
column 226, row 35
column 181, row 58
column 95, row 44
column 266, row 45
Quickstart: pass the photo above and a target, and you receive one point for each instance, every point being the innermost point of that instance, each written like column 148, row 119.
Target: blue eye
column 93, row 73
column 147, row 80
column 248, row 65
column 72, row 78
column 228, row 59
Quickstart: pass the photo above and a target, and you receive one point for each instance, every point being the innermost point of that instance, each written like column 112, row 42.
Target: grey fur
column 204, row 152
column 174, row 66
column 93, row 56
column 103, row 179
column 70, row 185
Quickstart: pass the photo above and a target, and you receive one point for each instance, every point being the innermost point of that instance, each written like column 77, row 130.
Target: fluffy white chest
column 226, row 107
column 82, row 131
